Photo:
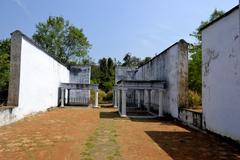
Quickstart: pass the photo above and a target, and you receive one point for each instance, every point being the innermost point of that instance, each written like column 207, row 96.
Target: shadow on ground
column 109, row 115
column 157, row 120
column 115, row 115
column 193, row 145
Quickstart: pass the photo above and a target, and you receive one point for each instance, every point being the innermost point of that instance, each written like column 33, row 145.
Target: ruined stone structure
column 156, row 89
column 159, row 86
column 39, row 81
column 221, row 75
column 79, row 74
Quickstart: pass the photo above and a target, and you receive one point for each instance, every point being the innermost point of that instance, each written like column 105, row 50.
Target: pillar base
column 123, row 116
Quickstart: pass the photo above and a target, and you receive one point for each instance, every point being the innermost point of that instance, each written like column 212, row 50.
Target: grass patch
column 102, row 144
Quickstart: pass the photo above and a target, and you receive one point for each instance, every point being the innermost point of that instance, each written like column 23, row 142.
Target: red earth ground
column 69, row 132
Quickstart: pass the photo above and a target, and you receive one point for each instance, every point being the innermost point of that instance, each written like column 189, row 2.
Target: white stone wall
column 37, row 86
column 80, row 74
column 124, row 73
column 171, row 66
column 221, row 76
column 40, row 76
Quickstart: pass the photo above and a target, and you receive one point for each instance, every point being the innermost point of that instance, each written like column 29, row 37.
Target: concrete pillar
column 15, row 61
column 124, row 110
column 62, row 97
column 96, row 99
column 146, row 99
column 149, row 99
column 115, row 98
column 118, row 98
column 138, row 98
column 160, row 108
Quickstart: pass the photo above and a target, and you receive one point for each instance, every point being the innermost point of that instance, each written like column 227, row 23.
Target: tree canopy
column 131, row 61
column 64, row 41
column 106, row 74
column 195, row 62
column 69, row 44
column 4, row 67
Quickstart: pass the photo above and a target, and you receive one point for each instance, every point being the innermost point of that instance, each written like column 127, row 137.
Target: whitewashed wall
column 40, row 76
column 37, row 81
column 221, row 76
column 171, row 66
column 80, row 74
column 124, row 73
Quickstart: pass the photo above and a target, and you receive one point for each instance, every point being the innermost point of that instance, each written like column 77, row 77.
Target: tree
column 4, row 67
column 145, row 60
column 95, row 74
column 106, row 74
column 111, row 69
column 133, row 61
column 195, row 62
column 130, row 60
column 62, row 40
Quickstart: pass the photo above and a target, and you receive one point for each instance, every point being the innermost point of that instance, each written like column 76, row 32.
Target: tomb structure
column 157, row 88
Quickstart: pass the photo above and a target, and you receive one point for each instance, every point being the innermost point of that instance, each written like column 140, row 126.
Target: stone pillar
column 118, row 98
column 96, row 99
column 115, row 98
column 160, row 108
column 124, row 110
column 62, row 97
column 138, row 98
column 146, row 99
column 149, row 99
column 15, row 65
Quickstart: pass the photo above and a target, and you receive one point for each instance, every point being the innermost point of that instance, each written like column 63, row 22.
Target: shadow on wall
column 193, row 145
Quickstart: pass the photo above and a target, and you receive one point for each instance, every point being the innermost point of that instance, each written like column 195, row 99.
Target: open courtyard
column 87, row 133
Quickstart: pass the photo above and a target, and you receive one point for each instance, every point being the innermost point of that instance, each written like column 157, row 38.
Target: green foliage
column 132, row 61
column 107, row 86
column 109, row 96
column 4, row 67
column 194, row 99
column 195, row 62
column 95, row 74
column 145, row 60
column 101, row 95
column 106, row 74
column 195, row 69
column 62, row 40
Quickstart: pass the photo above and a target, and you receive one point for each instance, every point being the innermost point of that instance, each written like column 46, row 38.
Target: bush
column 101, row 96
column 109, row 96
column 194, row 99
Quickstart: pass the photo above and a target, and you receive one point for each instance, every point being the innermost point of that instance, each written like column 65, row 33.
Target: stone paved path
column 85, row 133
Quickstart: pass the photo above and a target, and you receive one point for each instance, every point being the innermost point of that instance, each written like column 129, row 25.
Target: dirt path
column 89, row 134
column 57, row 134
column 160, row 140
column 102, row 144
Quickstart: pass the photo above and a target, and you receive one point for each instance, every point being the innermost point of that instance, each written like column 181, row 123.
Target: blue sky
column 115, row 27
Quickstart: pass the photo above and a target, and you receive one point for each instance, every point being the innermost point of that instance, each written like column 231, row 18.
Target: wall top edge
column 19, row 33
